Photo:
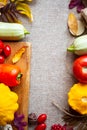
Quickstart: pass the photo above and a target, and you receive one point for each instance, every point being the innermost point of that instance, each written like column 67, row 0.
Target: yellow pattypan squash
column 77, row 98
column 8, row 104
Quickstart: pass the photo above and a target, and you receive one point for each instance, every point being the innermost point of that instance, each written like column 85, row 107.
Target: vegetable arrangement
column 10, row 75
column 12, row 29
column 75, row 116
column 77, row 95
column 10, row 78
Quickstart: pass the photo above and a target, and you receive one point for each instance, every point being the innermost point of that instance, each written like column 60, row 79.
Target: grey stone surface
column 50, row 64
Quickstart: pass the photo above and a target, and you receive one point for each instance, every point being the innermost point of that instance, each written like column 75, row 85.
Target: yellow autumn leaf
column 29, row 0
column 3, row 3
column 25, row 10
column 72, row 23
column 19, row 54
column 21, row 0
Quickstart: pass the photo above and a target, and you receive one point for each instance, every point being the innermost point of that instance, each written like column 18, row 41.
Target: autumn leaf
column 76, row 26
column 9, row 13
column 72, row 23
column 24, row 9
column 19, row 54
column 3, row 3
column 21, row 0
column 11, row 9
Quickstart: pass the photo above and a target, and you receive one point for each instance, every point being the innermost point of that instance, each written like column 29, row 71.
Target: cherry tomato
column 2, row 59
column 1, row 46
column 41, row 127
column 41, row 118
column 7, row 50
column 80, row 69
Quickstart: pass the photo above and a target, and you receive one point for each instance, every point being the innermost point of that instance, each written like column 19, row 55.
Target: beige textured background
column 50, row 38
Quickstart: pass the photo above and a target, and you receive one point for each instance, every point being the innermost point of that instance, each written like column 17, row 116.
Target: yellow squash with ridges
column 77, row 98
column 8, row 104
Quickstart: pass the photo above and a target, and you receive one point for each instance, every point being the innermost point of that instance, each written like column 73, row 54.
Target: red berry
column 41, row 127
column 58, row 127
column 7, row 50
column 2, row 59
column 41, row 118
column 1, row 46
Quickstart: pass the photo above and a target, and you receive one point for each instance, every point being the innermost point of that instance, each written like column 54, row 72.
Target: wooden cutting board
column 23, row 89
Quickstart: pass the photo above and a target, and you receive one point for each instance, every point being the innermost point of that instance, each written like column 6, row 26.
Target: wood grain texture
column 23, row 89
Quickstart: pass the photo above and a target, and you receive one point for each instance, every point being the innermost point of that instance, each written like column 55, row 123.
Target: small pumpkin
column 8, row 104
column 77, row 98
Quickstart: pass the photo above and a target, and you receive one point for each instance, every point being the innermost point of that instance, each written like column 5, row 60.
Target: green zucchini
column 12, row 31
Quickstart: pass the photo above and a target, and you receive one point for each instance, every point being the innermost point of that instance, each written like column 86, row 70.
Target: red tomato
column 41, row 127
column 2, row 59
column 7, row 50
column 1, row 46
column 80, row 69
column 42, row 118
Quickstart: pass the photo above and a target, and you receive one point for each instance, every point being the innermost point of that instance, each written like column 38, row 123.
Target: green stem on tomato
column 19, row 76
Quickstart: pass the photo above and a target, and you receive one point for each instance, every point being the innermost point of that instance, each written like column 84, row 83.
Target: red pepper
column 80, row 69
column 10, row 74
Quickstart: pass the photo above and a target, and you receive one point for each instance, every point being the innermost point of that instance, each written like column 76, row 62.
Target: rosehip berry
column 2, row 59
column 41, row 127
column 41, row 118
column 7, row 50
column 1, row 46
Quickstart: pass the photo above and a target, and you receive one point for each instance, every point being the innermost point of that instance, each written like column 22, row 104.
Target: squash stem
column 26, row 32
column 71, row 48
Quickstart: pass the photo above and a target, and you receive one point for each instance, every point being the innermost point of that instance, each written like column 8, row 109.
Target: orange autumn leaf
column 19, row 54
column 72, row 23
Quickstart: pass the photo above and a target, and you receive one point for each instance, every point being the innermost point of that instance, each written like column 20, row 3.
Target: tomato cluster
column 5, row 51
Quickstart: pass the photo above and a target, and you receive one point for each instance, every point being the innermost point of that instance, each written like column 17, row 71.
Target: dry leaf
column 24, row 9
column 76, row 26
column 81, row 28
column 11, row 9
column 19, row 54
column 9, row 13
column 21, row 0
column 3, row 3
column 72, row 23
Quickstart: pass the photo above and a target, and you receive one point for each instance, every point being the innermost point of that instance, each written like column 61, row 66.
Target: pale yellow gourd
column 8, row 104
column 77, row 98
column 12, row 31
